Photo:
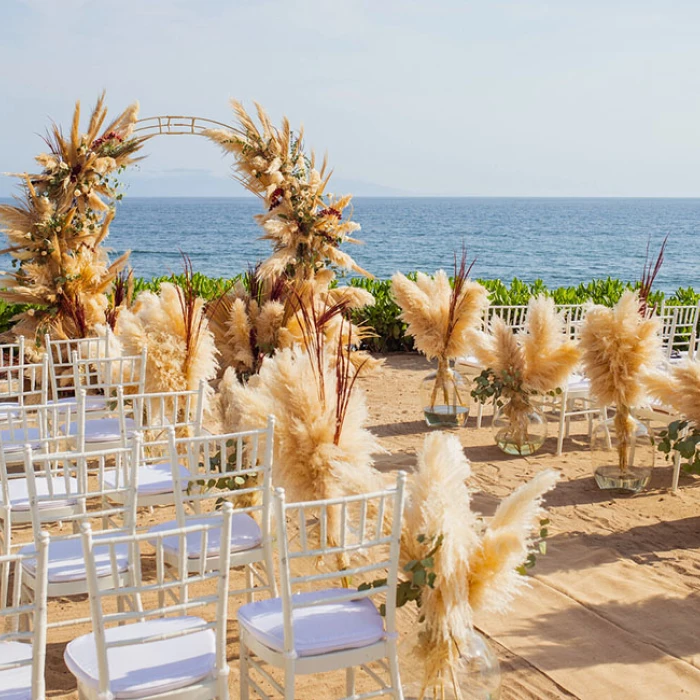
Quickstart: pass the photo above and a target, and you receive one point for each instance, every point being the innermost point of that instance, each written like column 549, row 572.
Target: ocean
column 560, row 240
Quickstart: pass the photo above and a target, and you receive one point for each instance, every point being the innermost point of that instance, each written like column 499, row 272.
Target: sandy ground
column 614, row 608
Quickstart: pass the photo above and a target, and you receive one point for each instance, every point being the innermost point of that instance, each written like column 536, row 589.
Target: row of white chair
column 313, row 632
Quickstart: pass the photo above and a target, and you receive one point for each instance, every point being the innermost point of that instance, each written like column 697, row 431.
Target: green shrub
column 383, row 316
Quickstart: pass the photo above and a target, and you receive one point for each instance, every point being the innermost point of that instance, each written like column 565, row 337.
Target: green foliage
column 684, row 438
column 492, row 385
column 420, row 574
column 539, row 548
column 206, row 287
column 383, row 316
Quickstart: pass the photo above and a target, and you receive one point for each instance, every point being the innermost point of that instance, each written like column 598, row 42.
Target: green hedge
column 383, row 317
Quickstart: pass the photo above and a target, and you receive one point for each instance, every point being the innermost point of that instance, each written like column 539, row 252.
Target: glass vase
column 444, row 397
column 519, row 427
column 622, row 453
column 476, row 674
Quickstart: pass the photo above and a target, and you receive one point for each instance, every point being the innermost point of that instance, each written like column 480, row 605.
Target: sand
column 614, row 606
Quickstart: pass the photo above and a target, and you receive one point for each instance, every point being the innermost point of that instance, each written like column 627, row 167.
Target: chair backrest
column 234, row 466
column 12, row 353
column 148, row 599
column 35, row 610
column 367, row 524
column 514, row 316
column 24, row 382
column 155, row 413
column 103, row 375
column 682, row 338
column 75, row 487
column 574, row 315
column 60, row 357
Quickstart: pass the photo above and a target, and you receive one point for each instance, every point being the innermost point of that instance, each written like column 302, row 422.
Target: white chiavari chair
column 235, row 467
column 112, row 509
column 61, row 373
column 157, row 650
column 22, row 384
column 23, row 651
column 330, row 628
column 154, row 416
column 107, row 378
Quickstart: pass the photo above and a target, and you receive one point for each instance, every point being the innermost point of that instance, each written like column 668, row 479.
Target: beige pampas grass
column 541, row 358
column 57, row 230
column 439, row 316
column 677, row 387
column 172, row 327
column 493, row 577
column 619, row 347
column 475, row 565
column 439, row 503
column 312, row 460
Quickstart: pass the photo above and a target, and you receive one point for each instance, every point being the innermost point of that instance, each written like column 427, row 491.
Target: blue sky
column 528, row 98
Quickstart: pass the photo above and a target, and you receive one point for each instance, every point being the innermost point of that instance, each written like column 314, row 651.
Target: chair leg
column 249, row 581
column 395, row 677
column 562, row 421
column 243, row 665
column 289, row 679
column 350, row 682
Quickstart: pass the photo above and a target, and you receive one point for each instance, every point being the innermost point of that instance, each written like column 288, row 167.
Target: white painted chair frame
column 215, row 685
column 369, row 535
column 35, row 636
column 113, row 507
column 60, row 357
column 248, row 454
column 154, row 415
column 12, row 353
column 25, row 383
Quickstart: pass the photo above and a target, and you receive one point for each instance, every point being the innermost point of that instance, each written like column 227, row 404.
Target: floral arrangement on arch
column 306, row 228
column 57, row 229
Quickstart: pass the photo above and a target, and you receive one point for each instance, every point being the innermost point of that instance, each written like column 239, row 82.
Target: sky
column 439, row 98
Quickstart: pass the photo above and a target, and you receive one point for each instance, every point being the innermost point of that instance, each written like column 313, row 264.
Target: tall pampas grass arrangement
column 518, row 365
column 57, row 230
column 619, row 347
column 172, row 326
column 322, row 448
column 440, row 316
column 475, row 565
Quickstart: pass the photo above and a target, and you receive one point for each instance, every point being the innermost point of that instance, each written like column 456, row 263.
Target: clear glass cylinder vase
column 519, row 427
column 475, row 674
column 622, row 453
column 444, row 398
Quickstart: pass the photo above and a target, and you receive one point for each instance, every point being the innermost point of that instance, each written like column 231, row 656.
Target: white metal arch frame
column 176, row 125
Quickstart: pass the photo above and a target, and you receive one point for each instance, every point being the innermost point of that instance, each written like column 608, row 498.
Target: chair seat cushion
column 103, row 429
column 19, row 493
column 9, row 409
column 153, row 479
column 92, row 403
column 469, row 361
column 15, row 440
column 66, row 562
column 320, row 629
column 245, row 534
column 578, row 383
column 146, row 668
column 15, row 683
